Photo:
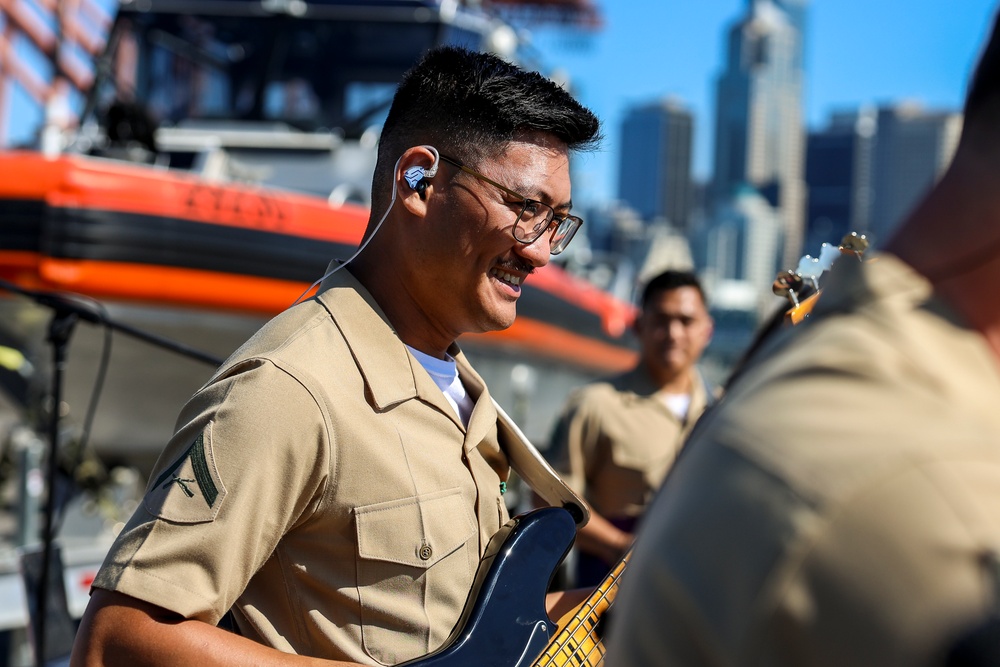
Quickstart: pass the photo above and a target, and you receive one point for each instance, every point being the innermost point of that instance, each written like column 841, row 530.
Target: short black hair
column 985, row 83
column 471, row 105
column 670, row 280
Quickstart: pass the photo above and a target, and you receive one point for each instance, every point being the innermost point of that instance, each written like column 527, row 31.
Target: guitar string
column 596, row 645
column 568, row 645
column 586, row 659
column 572, row 631
column 574, row 655
column 577, row 622
column 565, row 650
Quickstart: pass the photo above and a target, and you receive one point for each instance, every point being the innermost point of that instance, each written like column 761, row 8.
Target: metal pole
column 60, row 329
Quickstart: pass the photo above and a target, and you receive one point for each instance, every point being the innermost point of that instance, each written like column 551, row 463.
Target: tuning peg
column 854, row 243
column 788, row 284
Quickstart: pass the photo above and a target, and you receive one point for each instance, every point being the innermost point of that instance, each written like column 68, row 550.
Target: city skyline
column 928, row 59
column 647, row 51
column 759, row 134
column 757, row 211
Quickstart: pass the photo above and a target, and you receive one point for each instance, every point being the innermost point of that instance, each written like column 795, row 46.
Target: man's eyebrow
column 565, row 206
column 543, row 196
column 562, row 210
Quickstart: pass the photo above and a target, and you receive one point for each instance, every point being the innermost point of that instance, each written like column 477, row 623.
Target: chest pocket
column 642, row 449
column 642, row 439
column 416, row 561
column 634, row 475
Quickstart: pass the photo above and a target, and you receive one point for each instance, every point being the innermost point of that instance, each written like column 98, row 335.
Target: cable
column 363, row 245
column 102, row 372
column 430, row 173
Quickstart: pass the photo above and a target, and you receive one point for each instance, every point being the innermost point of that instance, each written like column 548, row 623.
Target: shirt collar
column 380, row 355
column 391, row 374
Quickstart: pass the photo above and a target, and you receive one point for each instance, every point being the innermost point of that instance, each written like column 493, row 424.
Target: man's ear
column 414, row 175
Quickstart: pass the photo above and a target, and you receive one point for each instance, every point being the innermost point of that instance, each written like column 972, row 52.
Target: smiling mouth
column 503, row 276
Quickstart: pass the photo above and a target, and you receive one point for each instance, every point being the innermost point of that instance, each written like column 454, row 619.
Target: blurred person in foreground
column 841, row 504
column 617, row 438
column 337, row 480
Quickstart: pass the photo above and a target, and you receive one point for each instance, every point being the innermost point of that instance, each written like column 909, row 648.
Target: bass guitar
column 504, row 623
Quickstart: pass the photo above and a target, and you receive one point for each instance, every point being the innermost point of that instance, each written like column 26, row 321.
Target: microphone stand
column 65, row 315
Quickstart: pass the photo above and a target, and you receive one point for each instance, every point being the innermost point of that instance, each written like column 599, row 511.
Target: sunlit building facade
column 912, row 149
column 759, row 135
column 839, row 178
column 654, row 178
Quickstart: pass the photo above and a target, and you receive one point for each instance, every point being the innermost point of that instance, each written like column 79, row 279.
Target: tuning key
column 854, row 243
column 788, row 284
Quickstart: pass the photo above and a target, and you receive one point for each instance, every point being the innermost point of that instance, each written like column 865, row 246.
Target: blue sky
column 857, row 52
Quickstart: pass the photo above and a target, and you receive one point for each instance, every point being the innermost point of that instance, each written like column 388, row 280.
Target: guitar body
column 504, row 623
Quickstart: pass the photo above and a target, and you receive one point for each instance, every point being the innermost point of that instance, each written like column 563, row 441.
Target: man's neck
column 389, row 289
column 675, row 383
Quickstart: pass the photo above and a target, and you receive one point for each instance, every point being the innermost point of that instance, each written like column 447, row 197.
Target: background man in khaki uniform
column 337, row 481
column 841, row 505
column 617, row 438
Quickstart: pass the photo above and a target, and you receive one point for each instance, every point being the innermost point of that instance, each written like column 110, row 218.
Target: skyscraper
column 758, row 125
column 655, row 174
column 838, row 175
column 912, row 148
column 742, row 245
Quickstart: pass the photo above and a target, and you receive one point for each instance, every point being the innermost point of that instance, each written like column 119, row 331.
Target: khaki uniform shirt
column 840, row 506
column 616, row 440
column 322, row 485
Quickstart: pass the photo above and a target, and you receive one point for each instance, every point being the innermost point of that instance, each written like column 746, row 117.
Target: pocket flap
column 417, row 531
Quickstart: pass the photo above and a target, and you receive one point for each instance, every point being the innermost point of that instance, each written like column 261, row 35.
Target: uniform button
column 425, row 552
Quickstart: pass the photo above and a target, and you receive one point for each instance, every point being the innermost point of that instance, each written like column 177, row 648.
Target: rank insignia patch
column 190, row 490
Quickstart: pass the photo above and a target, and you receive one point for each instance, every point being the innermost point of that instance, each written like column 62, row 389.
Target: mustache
column 516, row 264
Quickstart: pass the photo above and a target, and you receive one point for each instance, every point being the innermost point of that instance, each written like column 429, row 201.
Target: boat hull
column 206, row 265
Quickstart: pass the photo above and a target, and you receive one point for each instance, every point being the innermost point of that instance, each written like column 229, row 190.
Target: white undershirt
column 677, row 403
column 444, row 372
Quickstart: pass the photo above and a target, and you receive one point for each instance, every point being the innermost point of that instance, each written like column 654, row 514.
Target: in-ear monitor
column 415, row 177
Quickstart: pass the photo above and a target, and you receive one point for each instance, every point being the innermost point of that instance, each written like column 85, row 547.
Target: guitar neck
column 579, row 640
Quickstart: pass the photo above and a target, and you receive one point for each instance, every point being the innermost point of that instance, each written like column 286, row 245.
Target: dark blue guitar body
column 504, row 623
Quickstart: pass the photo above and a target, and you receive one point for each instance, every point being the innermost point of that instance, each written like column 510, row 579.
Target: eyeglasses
column 535, row 218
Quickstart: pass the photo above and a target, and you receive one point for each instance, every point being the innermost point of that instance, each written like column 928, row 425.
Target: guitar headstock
column 801, row 286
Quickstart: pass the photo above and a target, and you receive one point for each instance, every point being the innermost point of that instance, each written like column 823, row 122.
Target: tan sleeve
column 576, row 440
column 250, row 460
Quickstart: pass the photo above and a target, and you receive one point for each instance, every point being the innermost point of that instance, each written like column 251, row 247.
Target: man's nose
column 538, row 252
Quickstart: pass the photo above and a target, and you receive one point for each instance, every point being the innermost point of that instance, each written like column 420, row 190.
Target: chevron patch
column 190, row 490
